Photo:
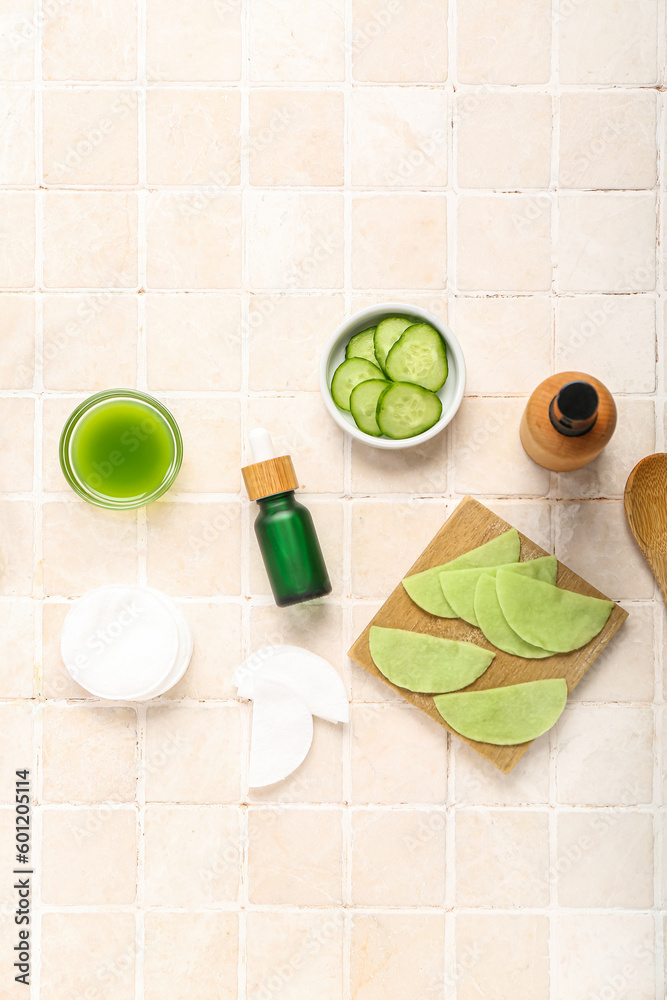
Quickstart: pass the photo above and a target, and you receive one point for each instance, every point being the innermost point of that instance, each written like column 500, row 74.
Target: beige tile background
column 192, row 196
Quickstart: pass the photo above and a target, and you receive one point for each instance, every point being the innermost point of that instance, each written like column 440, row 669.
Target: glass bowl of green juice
column 121, row 449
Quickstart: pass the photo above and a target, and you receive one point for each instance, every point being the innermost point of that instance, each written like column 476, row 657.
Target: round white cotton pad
column 185, row 647
column 282, row 733
column 121, row 642
column 306, row 673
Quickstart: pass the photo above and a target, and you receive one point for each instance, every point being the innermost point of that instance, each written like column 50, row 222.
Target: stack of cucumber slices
column 390, row 378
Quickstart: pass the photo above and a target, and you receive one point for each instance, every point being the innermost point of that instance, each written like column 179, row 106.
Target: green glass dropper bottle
column 284, row 527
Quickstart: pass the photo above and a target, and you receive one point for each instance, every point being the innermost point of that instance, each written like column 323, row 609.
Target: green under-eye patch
column 426, row 663
column 507, row 715
column 425, row 590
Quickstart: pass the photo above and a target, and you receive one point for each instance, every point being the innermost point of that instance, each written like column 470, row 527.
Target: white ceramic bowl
column 451, row 393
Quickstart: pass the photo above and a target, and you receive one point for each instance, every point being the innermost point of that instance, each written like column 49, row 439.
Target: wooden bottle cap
column 274, row 475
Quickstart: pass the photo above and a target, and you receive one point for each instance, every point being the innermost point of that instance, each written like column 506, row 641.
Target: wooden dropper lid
column 269, row 473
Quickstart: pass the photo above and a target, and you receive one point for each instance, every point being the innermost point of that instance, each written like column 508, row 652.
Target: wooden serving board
column 471, row 525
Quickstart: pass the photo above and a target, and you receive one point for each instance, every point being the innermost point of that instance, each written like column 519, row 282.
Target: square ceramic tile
column 296, row 137
column 625, row 669
column 482, row 324
column 183, row 949
column 90, row 137
column 193, row 341
column 16, row 539
column 272, row 321
column 489, row 457
column 17, row 419
column 602, row 45
column 17, row 115
column 90, row 341
column 399, row 137
column 502, row 858
column 398, row 756
column 608, row 139
column 79, row 951
column 16, row 745
column 606, row 243
column 17, row 341
column 213, row 662
column 301, row 951
column 398, row 857
column 89, row 856
column 302, row 427
column 328, row 520
column 591, row 868
column 504, row 243
column 90, row 239
column 90, row 40
column 586, row 533
column 421, row 469
column 318, row 626
column 607, row 474
column 402, row 529
column 193, row 856
column 507, row 42
column 71, row 531
column 89, row 754
column 478, row 783
column 391, row 950
column 318, row 779
column 392, row 43
column 200, row 42
column 604, row 756
column 193, row 241
column 502, row 955
column 56, row 681
column 399, row 241
column 193, row 137
column 17, row 238
column 55, row 411
column 193, row 754
column 297, row 240
column 195, row 548
column 532, row 517
column 17, row 626
column 210, row 427
column 290, row 42
column 17, row 54
column 612, row 336
column 503, row 140
column 295, row 856
column 603, row 952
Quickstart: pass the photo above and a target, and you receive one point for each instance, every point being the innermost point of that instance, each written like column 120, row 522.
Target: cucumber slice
column 420, row 356
column 361, row 346
column 351, row 373
column 387, row 333
column 405, row 410
column 363, row 404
